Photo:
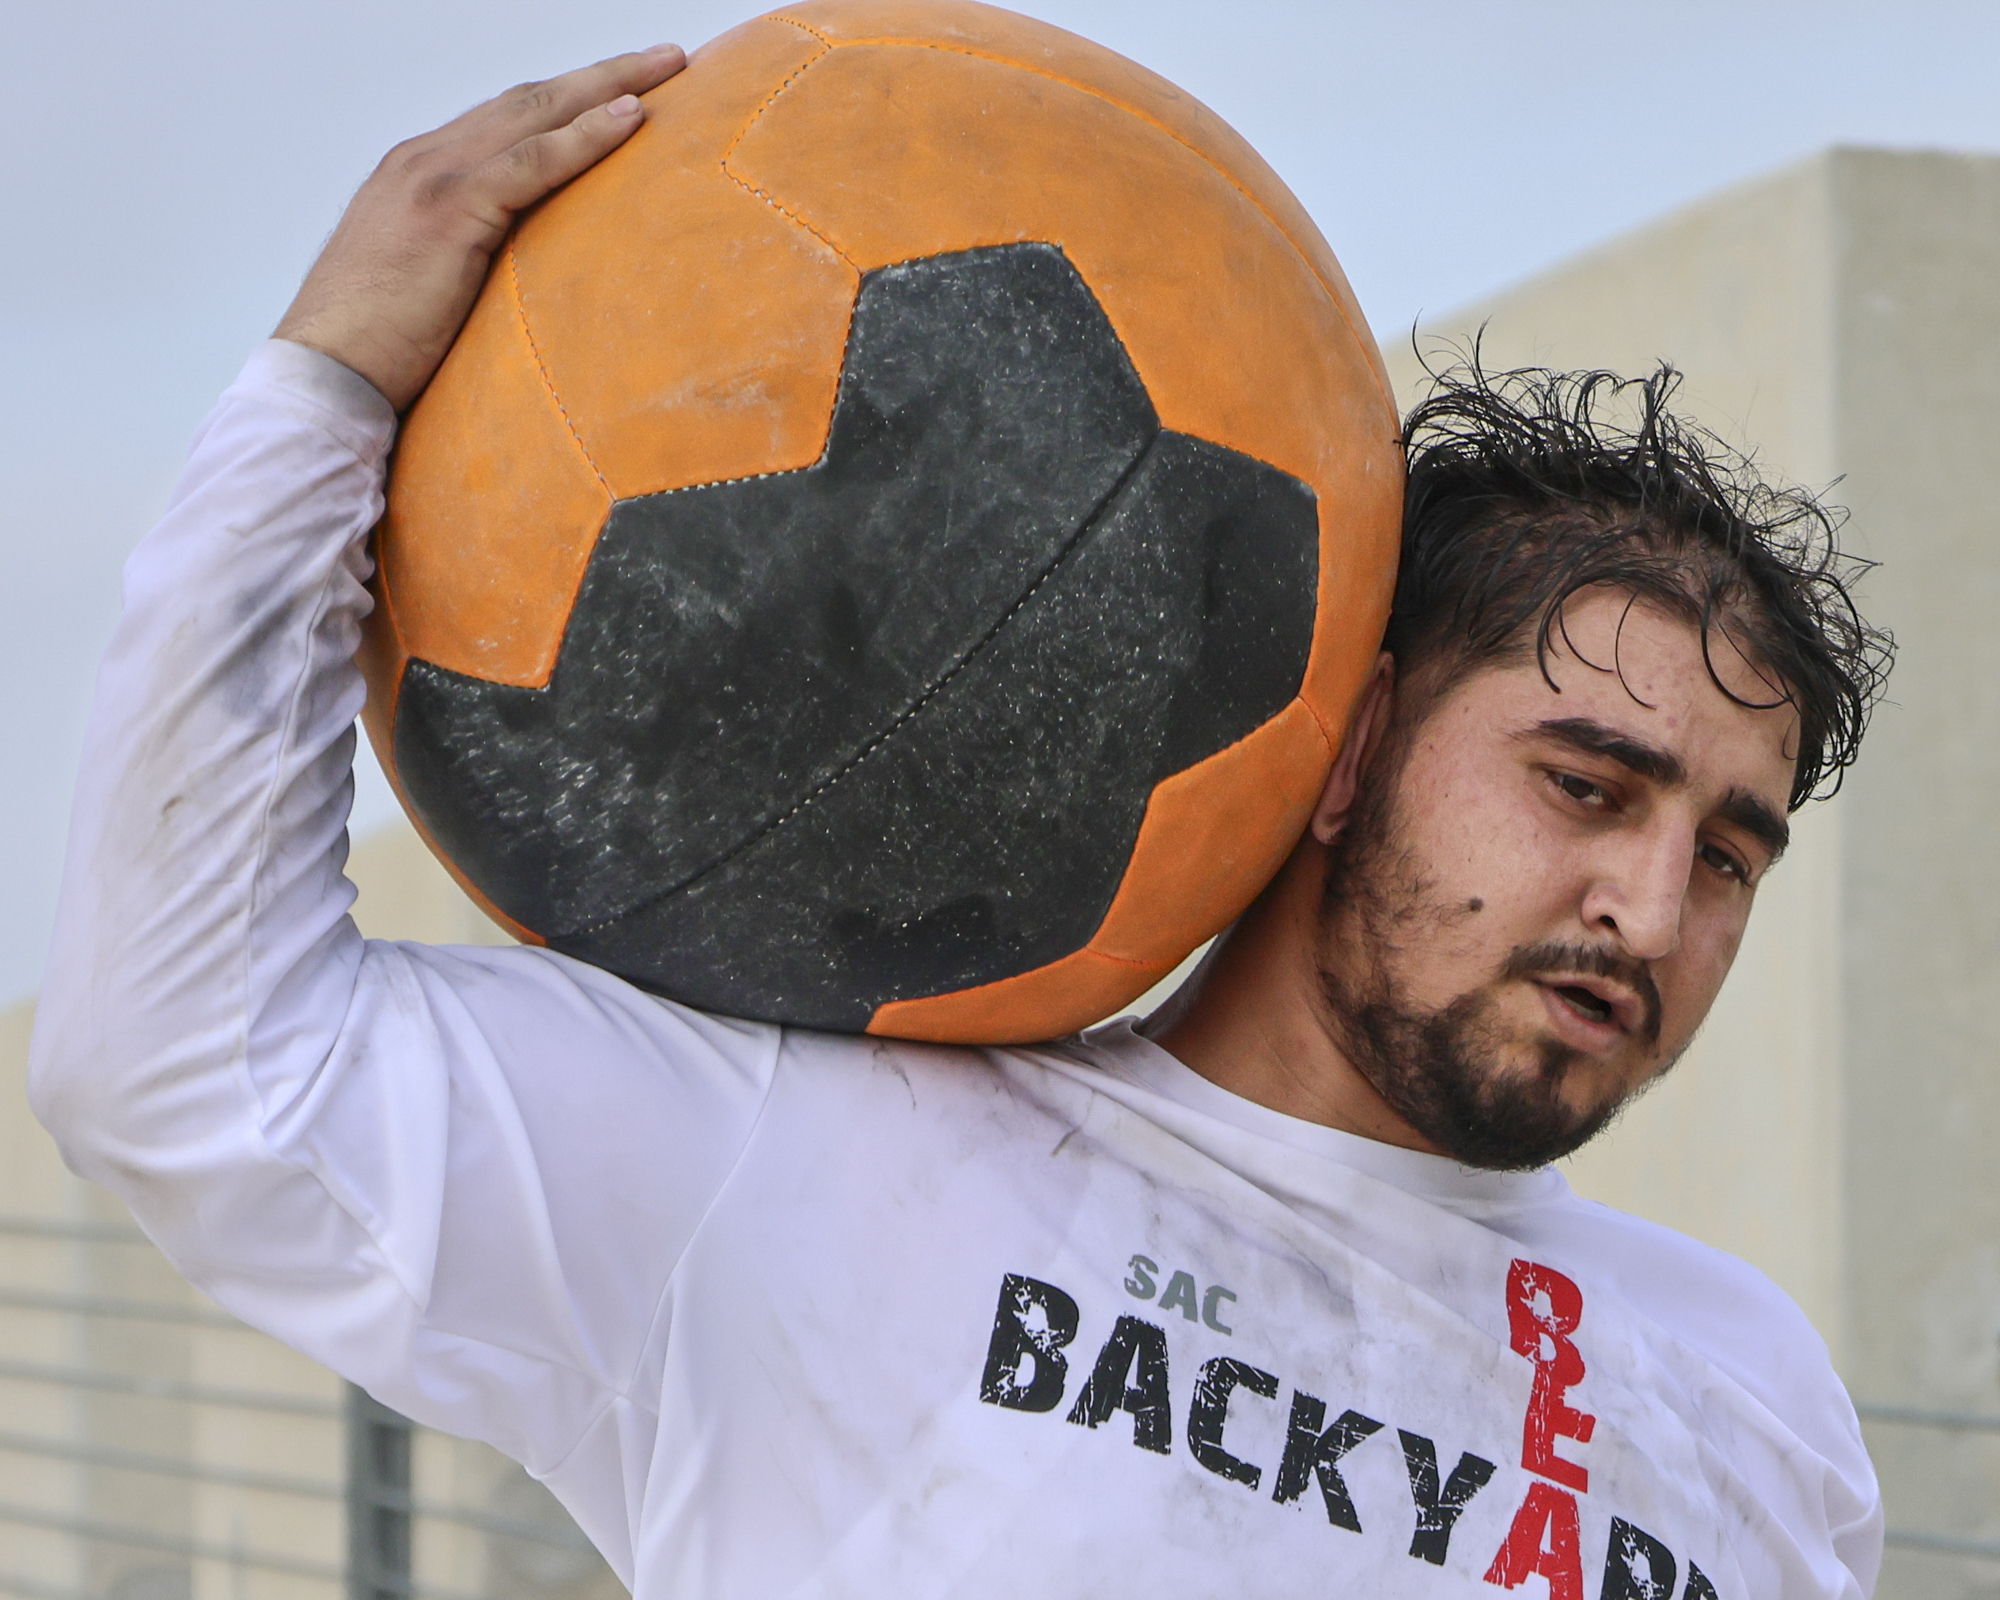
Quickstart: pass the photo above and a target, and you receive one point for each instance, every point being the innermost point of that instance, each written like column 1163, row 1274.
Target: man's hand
column 396, row 281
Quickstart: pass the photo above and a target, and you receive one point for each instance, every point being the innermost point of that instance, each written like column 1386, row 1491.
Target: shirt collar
column 1122, row 1049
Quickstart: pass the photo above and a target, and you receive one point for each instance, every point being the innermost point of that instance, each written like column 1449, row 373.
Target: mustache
column 1553, row 957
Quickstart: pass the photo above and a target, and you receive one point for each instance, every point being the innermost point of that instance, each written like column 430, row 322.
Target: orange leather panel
column 493, row 508
column 1212, row 837
column 692, row 329
column 381, row 658
column 1051, row 1000
column 1355, row 588
column 1009, row 36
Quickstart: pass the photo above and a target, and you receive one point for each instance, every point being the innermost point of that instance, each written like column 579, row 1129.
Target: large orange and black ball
column 896, row 545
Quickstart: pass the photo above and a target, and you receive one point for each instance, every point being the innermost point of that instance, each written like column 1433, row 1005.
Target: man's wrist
column 340, row 399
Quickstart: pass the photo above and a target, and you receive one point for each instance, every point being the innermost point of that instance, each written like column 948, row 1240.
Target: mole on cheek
column 1475, row 904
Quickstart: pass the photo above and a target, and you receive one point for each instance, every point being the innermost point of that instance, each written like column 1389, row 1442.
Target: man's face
column 1540, row 889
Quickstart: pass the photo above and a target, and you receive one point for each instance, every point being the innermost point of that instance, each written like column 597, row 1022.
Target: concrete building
column 1836, row 1124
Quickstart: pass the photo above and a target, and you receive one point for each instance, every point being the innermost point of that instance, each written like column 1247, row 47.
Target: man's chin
column 1486, row 1085
column 1510, row 1139
column 1508, row 1117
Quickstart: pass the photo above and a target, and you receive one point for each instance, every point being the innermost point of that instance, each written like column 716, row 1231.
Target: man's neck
column 1254, row 1020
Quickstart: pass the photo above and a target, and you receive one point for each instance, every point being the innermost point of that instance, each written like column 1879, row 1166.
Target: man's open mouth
column 1598, row 988
column 1592, row 1006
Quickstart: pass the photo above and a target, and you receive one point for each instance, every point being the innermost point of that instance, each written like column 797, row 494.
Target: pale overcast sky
column 173, row 167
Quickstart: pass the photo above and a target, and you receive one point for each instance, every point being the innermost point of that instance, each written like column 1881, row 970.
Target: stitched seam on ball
column 1364, row 339
column 548, row 383
column 804, row 27
column 877, row 740
column 1319, row 722
column 744, row 133
column 1123, row 961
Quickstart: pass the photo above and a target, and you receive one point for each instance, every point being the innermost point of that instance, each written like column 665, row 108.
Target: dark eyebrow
column 1756, row 818
column 1747, row 811
column 1634, row 755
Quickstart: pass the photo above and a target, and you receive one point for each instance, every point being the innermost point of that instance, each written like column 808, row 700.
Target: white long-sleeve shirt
column 786, row 1314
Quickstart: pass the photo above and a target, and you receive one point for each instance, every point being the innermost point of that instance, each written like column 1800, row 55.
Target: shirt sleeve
column 460, row 1177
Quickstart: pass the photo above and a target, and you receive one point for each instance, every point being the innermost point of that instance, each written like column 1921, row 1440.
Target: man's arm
column 407, row 1162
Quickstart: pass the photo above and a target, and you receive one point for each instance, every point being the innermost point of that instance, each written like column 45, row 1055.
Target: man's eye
column 1720, row 860
column 1582, row 789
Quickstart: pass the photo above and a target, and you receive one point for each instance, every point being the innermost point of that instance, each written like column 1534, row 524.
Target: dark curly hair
column 1528, row 486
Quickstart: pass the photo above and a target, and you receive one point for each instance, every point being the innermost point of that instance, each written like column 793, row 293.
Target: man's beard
column 1445, row 1070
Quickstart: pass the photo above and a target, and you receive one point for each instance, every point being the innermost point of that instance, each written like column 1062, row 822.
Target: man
column 1275, row 1295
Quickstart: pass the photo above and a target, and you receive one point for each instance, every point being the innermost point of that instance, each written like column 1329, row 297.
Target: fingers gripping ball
column 895, row 546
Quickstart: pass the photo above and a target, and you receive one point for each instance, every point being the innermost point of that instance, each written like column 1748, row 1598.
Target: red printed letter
column 1543, row 1309
column 1542, row 1540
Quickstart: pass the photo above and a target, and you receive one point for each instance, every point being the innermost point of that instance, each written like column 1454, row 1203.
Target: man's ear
column 1365, row 728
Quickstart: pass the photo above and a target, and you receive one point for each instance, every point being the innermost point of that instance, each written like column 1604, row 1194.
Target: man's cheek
column 1496, row 837
column 1457, row 954
column 1707, row 953
column 1685, row 997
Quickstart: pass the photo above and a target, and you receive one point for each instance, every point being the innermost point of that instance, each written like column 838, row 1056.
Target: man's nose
column 1638, row 893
